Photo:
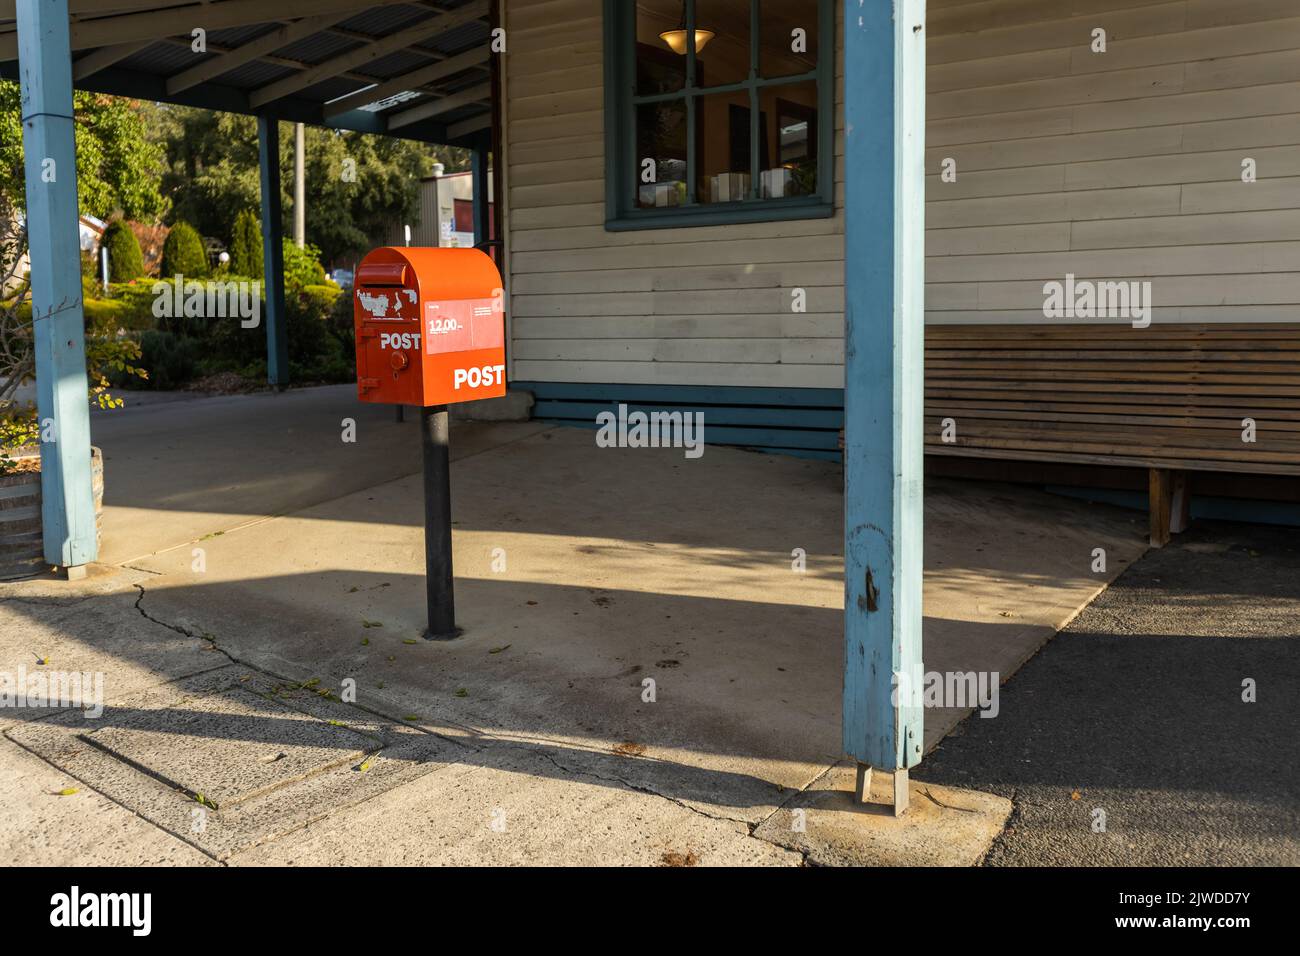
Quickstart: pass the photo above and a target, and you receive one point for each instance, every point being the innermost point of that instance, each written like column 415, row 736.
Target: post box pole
column 437, row 524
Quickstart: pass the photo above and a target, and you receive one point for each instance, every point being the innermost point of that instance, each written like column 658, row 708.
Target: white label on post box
column 459, row 325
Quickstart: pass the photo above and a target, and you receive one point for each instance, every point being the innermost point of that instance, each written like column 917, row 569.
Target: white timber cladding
column 1118, row 165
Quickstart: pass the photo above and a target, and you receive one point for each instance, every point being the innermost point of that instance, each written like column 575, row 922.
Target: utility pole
column 299, row 187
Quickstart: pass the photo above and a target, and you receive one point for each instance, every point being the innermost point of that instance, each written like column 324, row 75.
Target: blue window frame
column 718, row 118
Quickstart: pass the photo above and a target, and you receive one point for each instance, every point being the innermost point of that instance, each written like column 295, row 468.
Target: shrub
column 172, row 360
column 133, row 305
column 183, row 253
column 302, row 266
column 125, row 261
column 103, row 312
column 17, row 430
column 316, row 352
column 246, row 246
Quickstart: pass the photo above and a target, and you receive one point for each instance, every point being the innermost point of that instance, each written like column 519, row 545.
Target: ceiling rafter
column 273, row 60
column 104, row 57
column 443, row 23
column 255, row 49
column 439, row 106
column 414, row 80
column 107, row 30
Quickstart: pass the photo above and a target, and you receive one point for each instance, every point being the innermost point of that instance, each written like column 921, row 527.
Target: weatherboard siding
column 1108, row 166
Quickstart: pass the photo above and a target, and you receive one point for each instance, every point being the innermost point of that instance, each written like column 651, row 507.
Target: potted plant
column 107, row 350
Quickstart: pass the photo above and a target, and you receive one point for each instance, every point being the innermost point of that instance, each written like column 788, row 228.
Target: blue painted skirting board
column 804, row 422
column 1250, row 511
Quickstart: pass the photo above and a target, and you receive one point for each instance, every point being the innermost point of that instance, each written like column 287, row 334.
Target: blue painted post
column 50, row 163
column 277, row 341
column 884, row 315
column 479, row 165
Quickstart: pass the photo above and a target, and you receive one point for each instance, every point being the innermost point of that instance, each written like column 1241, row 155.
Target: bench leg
column 1180, row 509
column 1161, row 505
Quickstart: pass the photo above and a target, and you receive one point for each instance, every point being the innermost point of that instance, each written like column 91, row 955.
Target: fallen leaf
column 410, row 640
column 365, row 623
column 411, row 717
column 365, row 642
column 673, row 858
column 461, row 692
column 67, row 792
column 629, row 748
column 1075, row 796
column 498, row 650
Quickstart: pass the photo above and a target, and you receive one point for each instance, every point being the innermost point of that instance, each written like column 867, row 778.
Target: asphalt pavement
column 1128, row 739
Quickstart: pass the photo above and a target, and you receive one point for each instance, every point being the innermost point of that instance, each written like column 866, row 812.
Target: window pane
column 658, row 68
column 660, row 173
column 788, row 140
column 722, row 145
column 788, row 37
column 721, row 42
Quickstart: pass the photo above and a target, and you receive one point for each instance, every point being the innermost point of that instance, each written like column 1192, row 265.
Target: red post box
column 430, row 327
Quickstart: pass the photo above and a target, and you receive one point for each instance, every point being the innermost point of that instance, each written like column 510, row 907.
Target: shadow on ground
column 1133, row 717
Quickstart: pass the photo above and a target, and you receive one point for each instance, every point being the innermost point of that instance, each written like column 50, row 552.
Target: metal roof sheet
column 143, row 73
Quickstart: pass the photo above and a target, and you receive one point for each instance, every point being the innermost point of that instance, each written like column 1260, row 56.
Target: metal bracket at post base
column 862, row 790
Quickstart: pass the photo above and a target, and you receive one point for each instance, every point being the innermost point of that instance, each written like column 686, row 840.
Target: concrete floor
column 244, row 530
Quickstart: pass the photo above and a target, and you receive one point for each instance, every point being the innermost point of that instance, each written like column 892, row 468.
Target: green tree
column 119, row 167
column 357, row 184
column 246, row 246
column 183, row 252
column 125, row 260
column 211, row 165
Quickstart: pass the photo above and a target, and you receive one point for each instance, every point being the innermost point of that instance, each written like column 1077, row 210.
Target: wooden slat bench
column 1169, row 398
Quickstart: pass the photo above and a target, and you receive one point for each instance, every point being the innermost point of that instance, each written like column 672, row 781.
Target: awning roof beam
column 426, row 30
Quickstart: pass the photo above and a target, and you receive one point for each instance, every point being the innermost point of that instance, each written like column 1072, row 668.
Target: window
column 717, row 111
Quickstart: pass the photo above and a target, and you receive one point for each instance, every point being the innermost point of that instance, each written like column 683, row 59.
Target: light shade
column 677, row 39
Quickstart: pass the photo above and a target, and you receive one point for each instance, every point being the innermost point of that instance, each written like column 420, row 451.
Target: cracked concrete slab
column 744, row 653
column 43, row 824
column 227, row 745
column 641, row 660
column 516, row 809
column 943, row 826
column 52, row 591
column 104, row 636
column 166, row 787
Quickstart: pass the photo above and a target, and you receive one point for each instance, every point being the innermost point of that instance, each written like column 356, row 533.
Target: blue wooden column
column 479, row 175
column 884, row 116
column 50, row 164
column 277, row 340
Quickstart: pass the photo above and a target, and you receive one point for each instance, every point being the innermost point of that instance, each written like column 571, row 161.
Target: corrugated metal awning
column 418, row 69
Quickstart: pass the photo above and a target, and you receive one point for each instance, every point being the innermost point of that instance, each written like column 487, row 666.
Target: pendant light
column 676, row 39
